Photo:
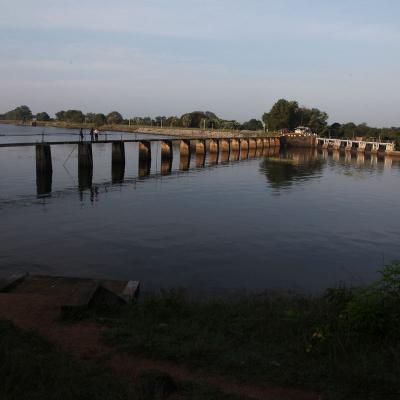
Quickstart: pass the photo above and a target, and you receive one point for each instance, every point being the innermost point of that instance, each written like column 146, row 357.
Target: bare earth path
column 83, row 340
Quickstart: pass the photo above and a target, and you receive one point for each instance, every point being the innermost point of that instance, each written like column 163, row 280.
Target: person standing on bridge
column 96, row 134
column 91, row 134
column 81, row 134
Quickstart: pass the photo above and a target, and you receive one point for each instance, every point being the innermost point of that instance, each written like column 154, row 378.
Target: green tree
column 75, row 116
column 283, row 115
column 89, row 117
column 60, row 115
column 252, row 125
column 99, row 119
column 42, row 116
column 114, row 118
column 186, row 120
column 21, row 113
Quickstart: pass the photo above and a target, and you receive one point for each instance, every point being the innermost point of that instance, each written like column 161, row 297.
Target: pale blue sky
column 233, row 57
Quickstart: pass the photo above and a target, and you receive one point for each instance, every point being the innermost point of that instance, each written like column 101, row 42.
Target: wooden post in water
column 260, row 144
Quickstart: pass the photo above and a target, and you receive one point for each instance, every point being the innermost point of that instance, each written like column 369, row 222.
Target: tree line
column 284, row 115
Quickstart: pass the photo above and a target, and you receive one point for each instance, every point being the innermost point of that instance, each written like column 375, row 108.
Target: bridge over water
column 219, row 150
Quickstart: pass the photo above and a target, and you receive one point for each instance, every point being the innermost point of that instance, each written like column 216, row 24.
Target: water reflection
column 117, row 173
column 44, row 183
column 284, row 168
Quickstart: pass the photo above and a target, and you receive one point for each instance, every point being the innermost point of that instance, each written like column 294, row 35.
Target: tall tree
column 283, row 115
column 114, row 118
column 252, row 125
column 42, row 116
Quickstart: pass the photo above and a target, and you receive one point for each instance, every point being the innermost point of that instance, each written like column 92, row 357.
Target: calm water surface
column 302, row 219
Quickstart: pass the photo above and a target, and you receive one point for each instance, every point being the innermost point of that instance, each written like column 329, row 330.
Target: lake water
column 301, row 219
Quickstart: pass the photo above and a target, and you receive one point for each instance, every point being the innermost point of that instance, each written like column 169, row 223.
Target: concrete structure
column 166, row 150
column 224, row 145
column 85, row 156
column 184, row 148
column 244, row 148
column 355, row 145
column 213, row 146
column 200, row 146
column 220, row 149
column 118, row 153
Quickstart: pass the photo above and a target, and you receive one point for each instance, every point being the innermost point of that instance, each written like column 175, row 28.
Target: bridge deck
column 174, row 138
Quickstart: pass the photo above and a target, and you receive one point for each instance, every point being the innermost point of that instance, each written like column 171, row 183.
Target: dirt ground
column 38, row 310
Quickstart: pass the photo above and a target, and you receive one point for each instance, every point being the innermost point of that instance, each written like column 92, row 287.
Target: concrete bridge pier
column 184, row 148
column 44, row 169
column 235, row 145
column 349, row 145
column 85, row 156
column 144, row 158
column 252, row 148
column 260, row 144
column 200, row 160
column 336, row 144
column 389, row 148
column 184, row 153
column 244, row 148
column 213, row 146
column 118, row 162
column 144, row 150
column 200, row 146
column 225, row 146
column 43, row 159
column 361, row 147
column 375, row 148
column 118, row 153
column 166, row 151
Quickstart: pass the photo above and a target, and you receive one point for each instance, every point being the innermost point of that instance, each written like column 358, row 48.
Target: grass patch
column 344, row 343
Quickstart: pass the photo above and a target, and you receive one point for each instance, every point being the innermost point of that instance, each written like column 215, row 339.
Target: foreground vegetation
column 344, row 343
column 33, row 369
